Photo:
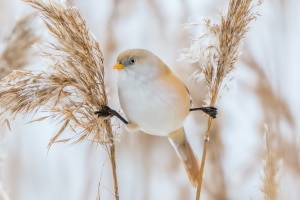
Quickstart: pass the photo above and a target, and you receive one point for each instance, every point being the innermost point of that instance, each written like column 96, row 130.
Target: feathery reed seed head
column 270, row 185
column 216, row 54
column 215, row 49
column 73, row 88
column 16, row 50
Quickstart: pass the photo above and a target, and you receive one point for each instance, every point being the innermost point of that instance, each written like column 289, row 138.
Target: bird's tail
column 185, row 153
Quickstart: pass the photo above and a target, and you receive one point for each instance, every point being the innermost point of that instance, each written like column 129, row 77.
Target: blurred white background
column 147, row 167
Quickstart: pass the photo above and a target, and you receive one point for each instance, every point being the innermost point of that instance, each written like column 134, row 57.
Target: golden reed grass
column 71, row 89
column 16, row 53
column 270, row 186
column 277, row 145
column 216, row 52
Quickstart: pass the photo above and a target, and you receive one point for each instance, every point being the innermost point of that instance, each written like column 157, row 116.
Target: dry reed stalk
column 73, row 87
column 216, row 189
column 270, row 184
column 216, row 52
column 276, row 110
column 15, row 53
column 16, row 48
column 275, row 107
column 278, row 143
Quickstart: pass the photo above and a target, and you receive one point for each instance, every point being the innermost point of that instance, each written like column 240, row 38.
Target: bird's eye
column 132, row 60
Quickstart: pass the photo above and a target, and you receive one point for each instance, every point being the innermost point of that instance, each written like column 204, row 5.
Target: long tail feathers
column 185, row 153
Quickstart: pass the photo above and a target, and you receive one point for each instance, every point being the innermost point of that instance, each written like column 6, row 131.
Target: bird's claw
column 210, row 110
column 107, row 112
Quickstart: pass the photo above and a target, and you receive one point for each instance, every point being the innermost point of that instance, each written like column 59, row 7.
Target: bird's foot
column 106, row 112
column 210, row 110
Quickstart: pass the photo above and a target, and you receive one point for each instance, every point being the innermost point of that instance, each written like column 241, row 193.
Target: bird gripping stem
column 210, row 110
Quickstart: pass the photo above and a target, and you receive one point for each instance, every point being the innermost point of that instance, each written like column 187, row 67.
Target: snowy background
column 147, row 167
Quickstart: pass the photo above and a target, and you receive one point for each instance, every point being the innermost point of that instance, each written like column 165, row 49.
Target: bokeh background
column 262, row 95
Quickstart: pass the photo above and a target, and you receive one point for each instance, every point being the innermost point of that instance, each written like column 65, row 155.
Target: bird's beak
column 118, row 66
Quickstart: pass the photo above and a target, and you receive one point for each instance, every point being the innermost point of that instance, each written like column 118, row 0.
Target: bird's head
column 140, row 62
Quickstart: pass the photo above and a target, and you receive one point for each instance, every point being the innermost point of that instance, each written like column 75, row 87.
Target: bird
column 155, row 101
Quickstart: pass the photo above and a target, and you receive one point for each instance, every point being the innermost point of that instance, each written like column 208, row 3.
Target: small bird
column 156, row 102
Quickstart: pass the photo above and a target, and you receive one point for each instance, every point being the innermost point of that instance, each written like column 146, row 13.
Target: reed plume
column 71, row 89
column 215, row 52
column 15, row 53
column 73, row 86
column 278, row 147
column 16, row 48
column 270, row 186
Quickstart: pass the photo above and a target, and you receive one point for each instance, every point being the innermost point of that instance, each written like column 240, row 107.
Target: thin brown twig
column 112, row 158
column 216, row 189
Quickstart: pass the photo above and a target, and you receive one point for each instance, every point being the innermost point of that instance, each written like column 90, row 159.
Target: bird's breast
column 158, row 107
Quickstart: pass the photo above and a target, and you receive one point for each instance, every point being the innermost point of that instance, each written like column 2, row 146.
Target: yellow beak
column 118, row 66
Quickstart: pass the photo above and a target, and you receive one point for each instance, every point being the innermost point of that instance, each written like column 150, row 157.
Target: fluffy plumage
column 155, row 101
